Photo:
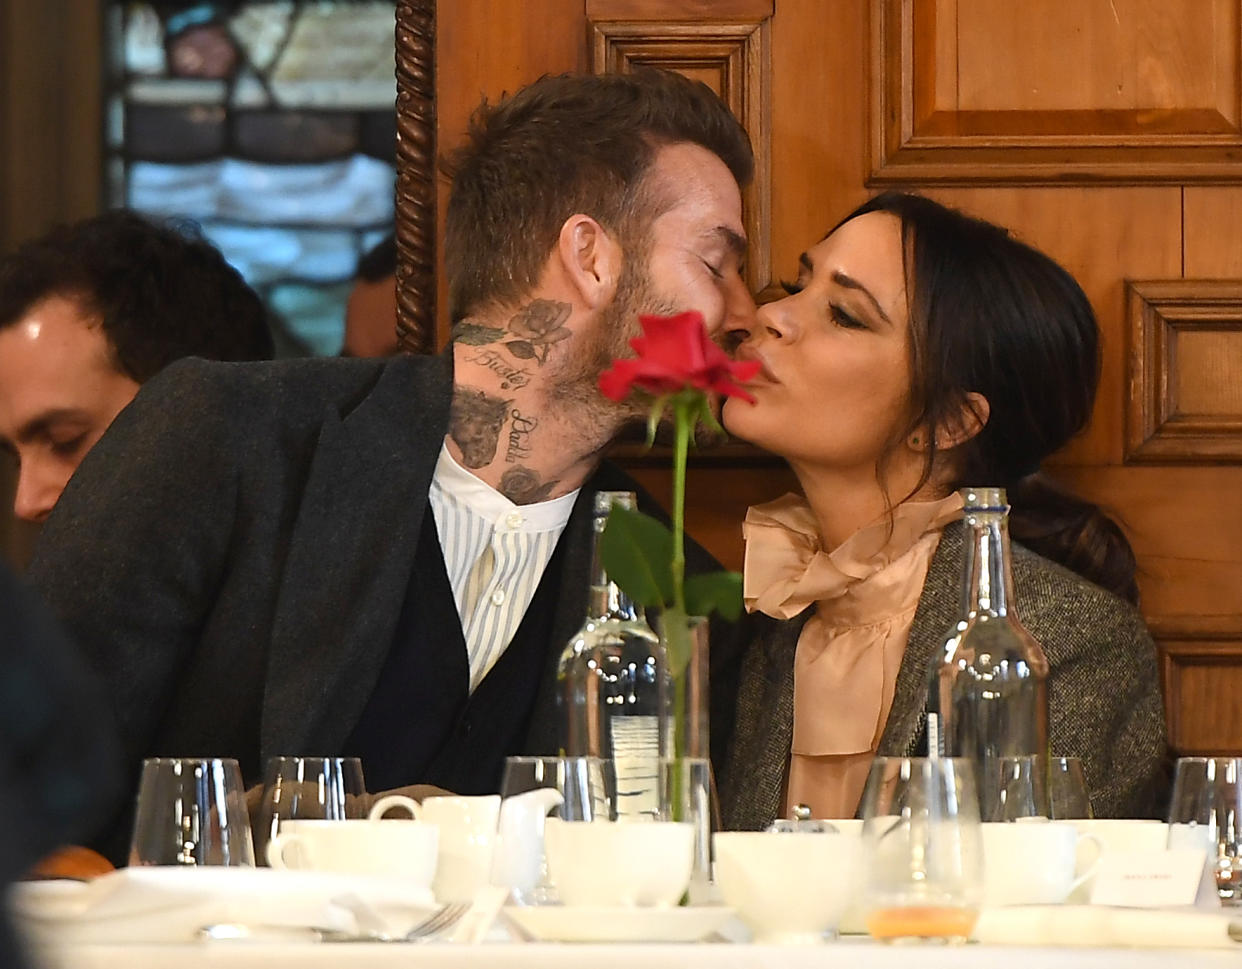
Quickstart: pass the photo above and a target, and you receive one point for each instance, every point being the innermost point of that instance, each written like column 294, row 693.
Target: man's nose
column 740, row 318
column 36, row 494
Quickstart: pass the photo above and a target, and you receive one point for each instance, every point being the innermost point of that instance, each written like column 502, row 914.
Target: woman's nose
column 773, row 322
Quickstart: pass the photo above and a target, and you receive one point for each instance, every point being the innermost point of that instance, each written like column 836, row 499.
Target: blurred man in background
column 89, row 312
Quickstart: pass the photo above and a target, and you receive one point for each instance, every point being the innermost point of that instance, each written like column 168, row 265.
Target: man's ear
column 590, row 259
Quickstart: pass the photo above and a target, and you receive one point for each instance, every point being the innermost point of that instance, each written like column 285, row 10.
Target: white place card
column 1154, row 879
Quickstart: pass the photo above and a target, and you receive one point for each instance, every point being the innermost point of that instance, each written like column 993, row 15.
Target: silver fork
column 438, row 922
column 432, row 927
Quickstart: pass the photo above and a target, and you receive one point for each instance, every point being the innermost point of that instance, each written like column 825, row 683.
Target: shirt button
column 498, row 597
column 513, row 520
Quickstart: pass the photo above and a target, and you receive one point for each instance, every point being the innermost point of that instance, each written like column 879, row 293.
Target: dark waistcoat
column 421, row 726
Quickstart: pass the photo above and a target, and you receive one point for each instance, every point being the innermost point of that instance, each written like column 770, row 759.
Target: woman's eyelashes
column 844, row 320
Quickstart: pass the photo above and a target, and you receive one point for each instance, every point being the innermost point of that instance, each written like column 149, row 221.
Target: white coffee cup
column 789, row 887
column 1115, row 836
column 467, row 839
column 389, row 801
column 1033, row 862
column 407, row 849
column 628, row 864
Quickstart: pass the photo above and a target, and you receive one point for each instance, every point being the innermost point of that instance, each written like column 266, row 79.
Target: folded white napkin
column 172, row 904
column 1101, row 925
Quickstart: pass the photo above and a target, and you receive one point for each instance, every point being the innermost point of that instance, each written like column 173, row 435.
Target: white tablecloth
column 848, row 954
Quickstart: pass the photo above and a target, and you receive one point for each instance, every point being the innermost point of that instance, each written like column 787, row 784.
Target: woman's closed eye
column 844, row 320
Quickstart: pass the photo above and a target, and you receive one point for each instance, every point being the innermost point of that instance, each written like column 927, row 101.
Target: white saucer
column 569, row 923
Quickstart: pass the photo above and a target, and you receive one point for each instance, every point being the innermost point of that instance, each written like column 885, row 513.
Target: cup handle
column 1095, row 862
column 385, row 804
column 276, row 850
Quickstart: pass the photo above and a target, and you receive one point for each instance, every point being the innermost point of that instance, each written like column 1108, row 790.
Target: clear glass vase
column 688, row 790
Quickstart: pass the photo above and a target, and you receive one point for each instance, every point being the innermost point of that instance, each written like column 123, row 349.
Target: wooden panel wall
column 50, row 148
column 1106, row 132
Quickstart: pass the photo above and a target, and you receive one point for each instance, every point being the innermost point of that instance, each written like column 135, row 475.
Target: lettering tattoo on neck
column 519, row 437
column 531, row 332
column 511, row 377
column 523, row 487
column 475, row 423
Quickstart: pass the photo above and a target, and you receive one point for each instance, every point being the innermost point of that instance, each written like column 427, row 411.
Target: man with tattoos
column 383, row 558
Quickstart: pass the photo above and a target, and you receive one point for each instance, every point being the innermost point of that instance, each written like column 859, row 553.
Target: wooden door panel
column 1185, row 524
column 1120, row 90
column 1213, row 232
column 1127, row 55
column 1203, row 695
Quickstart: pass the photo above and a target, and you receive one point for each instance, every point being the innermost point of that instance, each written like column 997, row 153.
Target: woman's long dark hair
column 993, row 316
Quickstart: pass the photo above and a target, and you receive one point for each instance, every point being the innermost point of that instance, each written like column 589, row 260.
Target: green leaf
column 637, row 550
column 714, row 591
column 521, row 349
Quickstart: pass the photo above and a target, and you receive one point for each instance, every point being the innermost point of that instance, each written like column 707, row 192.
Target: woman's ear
column 956, row 430
column 964, row 425
column 590, row 260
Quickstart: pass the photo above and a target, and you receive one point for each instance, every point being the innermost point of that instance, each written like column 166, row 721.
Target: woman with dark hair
column 921, row 351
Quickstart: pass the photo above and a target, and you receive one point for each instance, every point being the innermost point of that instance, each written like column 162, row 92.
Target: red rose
column 674, row 353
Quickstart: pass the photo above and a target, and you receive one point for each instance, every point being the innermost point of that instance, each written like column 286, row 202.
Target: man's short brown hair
column 567, row 144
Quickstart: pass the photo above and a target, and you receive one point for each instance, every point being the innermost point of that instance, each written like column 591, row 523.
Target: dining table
column 848, row 953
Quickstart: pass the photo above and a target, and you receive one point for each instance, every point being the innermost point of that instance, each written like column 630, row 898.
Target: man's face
column 693, row 259
column 59, row 391
column 697, row 246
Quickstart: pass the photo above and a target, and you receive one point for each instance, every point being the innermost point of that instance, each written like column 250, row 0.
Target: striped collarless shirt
column 495, row 553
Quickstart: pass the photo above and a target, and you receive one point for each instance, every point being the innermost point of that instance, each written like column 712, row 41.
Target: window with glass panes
column 271, row 123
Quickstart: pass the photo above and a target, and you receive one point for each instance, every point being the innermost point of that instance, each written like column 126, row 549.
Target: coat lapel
column 754, row 780
column 350, row 555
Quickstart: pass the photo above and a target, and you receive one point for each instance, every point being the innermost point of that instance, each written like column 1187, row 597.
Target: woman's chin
column 737, row 416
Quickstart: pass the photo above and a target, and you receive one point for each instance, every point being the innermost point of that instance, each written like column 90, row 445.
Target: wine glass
column 308, row 789
column 922, row 849
column 1206, row 812
column 191, row 811
column 1034, row 787
column 1067, row 789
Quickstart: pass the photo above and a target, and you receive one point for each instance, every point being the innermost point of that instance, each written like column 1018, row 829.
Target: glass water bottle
column 988, row 693
column 609, row 684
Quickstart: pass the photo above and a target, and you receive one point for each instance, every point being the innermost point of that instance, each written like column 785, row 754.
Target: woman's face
column 833, row 391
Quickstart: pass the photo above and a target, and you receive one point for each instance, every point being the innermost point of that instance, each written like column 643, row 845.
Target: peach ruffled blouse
column 865, row 594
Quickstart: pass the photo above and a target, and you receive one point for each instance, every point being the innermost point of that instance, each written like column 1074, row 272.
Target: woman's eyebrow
column 847, row 282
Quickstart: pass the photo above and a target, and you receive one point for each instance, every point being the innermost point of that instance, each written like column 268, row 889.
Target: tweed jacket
column 1104, row 690
column 233, row 555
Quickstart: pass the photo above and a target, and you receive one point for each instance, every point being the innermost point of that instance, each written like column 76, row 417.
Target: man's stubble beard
column 576, row 382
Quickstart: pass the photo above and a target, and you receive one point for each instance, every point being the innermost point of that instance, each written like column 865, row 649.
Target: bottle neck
column 989, row 577
column 606, row 600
